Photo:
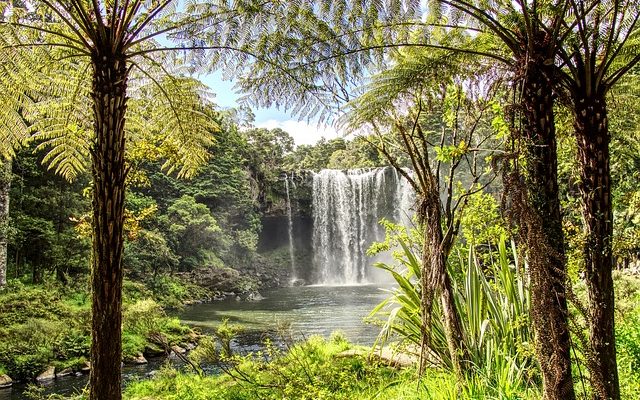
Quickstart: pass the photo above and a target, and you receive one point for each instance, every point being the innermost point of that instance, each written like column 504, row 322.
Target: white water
column 290, row 220
column 347, row 208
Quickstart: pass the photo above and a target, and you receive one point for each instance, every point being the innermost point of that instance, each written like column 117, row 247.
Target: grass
column 315, row 370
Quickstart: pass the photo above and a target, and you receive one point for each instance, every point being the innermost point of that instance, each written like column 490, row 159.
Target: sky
column 303, row 132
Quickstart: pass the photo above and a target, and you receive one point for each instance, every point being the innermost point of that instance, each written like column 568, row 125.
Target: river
column 303, row 311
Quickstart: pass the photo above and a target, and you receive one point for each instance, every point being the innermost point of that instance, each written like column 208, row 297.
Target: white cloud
column 302, row 132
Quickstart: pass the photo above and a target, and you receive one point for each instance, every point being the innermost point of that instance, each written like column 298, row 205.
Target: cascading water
column 290, row 220
column 347, row 208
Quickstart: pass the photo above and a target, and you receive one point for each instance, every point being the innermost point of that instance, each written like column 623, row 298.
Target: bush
column 51, row 325
column 493, row 304
column 73, row 343
column 308, row 371
column 173, row 293
column 143, row 317
column 18, row 304
column 132, row 344
column 26, row 349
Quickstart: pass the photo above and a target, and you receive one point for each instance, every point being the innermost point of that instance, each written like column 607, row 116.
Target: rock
column 298, row 282
column 192, row 337
column 48, row 374
column 220, row 280
column 152, row 350
column 158, row 345
column 5, row 381
column 159, row 339
column 86, row 367
column 151, row 374
column 177, row 349
column 190, row 346
column 64, row 372
column 254, row 296
column 136, row 360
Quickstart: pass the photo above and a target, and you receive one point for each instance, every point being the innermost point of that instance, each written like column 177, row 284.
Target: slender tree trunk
column 5, row 186
column 435, row 277
column 540, row 224
column 592, row 134
column 108, row 169
column 453, row 325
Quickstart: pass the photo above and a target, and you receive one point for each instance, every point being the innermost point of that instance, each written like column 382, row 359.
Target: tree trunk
column 108, row 169
column 540, row 225
column 592, row 134
column 5, row 186
column 435, row 277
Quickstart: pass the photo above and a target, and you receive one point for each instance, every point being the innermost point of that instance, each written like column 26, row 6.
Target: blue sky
column 301, row 131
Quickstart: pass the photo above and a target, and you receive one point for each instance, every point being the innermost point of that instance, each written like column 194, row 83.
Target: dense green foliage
column 48, row 324
column 336, row 154
column 316, row 370
column 310, row 57
column 44, row 212
column 493, row 302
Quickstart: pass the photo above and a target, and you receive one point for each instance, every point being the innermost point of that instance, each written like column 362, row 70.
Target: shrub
column 143, row 317
column 26, row 349
column 71, row 344
column 493, row 304
column 18, row 304
column 132, row 344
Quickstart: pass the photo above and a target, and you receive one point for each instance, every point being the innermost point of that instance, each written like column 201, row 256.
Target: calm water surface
column 297, row 311
column 305, row 311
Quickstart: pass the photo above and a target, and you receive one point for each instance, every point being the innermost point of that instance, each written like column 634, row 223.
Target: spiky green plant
column 493, row 302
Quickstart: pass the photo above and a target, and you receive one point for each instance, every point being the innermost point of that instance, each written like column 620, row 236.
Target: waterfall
column 347, row 206
column 292, row 255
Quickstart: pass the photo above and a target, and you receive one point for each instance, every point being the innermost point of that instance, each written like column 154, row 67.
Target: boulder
column 177, row 349
column 138, row 359
column 254, row 296
column 152, row 350
column 5, row 381
column 298, row 282
column 48, row 374
column 64, row 372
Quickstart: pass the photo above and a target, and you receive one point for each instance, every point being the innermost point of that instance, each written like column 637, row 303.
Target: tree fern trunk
column 540, row 225
column 5, row 186
column 108, row 169
column 592, row 134
column 435, row 278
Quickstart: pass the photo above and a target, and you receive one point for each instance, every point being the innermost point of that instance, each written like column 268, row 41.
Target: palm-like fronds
column 175, row 115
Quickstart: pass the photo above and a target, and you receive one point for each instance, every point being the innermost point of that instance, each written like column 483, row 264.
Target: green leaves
column 450, row 153
column 493, row 301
